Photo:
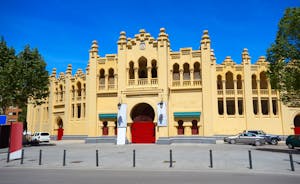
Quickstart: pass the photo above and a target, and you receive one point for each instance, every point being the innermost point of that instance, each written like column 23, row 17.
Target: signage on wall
column 3, row 119
column 162, row 114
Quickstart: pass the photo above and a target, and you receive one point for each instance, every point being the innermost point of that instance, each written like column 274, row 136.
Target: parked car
column 246, row 138
column 293, row 141
column 39, row 137
column 270, row 139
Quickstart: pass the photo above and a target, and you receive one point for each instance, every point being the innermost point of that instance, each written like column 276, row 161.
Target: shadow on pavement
column 293, row 151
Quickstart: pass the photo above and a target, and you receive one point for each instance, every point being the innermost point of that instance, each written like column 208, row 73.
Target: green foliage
column 7, row 55
column 284, row 58
column 22, row 78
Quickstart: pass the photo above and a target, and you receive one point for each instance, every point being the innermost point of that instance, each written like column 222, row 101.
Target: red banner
column 15, row 144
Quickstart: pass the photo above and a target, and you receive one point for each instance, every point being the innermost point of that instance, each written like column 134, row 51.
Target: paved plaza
column 185, row 157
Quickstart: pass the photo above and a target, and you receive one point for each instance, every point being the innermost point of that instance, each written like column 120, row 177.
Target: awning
column 108, row 116
column 187, row 114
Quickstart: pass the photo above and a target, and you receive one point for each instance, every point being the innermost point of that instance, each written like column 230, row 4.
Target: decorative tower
column 246, row 62
column 67, row 95
column 122, row 64
column 208, row 85
column 91, row 89
column 163, row 49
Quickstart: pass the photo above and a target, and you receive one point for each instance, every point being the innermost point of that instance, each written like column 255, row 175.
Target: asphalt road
column 81, row 176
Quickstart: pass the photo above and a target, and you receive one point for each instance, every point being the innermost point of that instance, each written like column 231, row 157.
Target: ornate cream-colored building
column 203, row 98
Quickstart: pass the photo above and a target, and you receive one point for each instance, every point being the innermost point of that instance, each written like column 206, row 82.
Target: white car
column 39, row 137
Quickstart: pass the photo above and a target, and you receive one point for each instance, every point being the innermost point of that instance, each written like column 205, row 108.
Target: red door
column 60, row 134
column 143, row 132
column 297, row 130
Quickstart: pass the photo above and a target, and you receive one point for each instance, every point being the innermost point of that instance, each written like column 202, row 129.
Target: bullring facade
column 201, row 97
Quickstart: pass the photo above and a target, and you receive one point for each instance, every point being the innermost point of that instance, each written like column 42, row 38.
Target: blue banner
column 2, row 119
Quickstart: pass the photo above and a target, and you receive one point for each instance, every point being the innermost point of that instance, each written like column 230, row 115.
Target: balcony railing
column 264, row 92
column 143, row 82
column 229, row 91
column 186, row 83
column 220, row 91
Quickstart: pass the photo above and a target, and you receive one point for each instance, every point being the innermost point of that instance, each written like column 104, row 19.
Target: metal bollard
column 250, row 159
column 211, row 159
column 40, row 158
column 97, row 159
column 22, row 156
column 7, row 156
column 171, row 159
column 133, row 158
column 64, row 158
column 292, row 162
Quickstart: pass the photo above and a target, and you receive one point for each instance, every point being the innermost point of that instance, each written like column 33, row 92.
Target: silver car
column 245, row 138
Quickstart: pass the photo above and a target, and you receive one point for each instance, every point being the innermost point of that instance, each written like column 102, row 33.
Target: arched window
column 78, row 89
column 73, row 91
column 197, row 71
column 186, row 71
column 111, row 76
column 239, row 82
column 102, row 77
column 84, row 89
column 229, row 80
column 176, row 74
column 219, row 82
column 263, row 81
column 61, row 92
column 153, row 69
column 143, row 67
column 254, row 83
column 131, row 70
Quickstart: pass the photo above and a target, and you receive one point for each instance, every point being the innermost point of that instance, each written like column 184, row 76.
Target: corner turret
column 246, row 59
column 94, row 49
column 205, row 41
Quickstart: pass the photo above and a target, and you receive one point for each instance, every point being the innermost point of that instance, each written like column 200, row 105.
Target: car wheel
column 232, row 141
column 257, row 143
column 290, row 146
column 274, row 141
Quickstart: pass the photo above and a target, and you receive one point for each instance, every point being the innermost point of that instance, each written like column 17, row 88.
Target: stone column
column 224, row 98
column 235, row 97
column 111, row 128
column 259, row 112
column 99, row 129
column 181, row 76
column 149, row 75
column 270, row 108
column 192, row 76
column 136, row 75
column 106, row 81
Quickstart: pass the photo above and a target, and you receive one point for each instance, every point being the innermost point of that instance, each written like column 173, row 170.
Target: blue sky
column 63, row 30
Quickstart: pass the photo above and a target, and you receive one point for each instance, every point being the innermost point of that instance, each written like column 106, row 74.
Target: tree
column 23, row 78
column 32, row 77
column 6, row 55
column 284, row 58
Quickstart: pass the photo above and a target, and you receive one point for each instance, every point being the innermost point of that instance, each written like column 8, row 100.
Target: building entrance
column 142, row 128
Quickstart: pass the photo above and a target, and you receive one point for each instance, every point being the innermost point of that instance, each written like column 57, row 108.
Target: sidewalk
column 185, row 157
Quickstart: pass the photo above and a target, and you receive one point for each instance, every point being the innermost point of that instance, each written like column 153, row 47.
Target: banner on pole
column 15, row 144
column 162, row 114
column 121, row 139
column 122, row 120
column 122, row 124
